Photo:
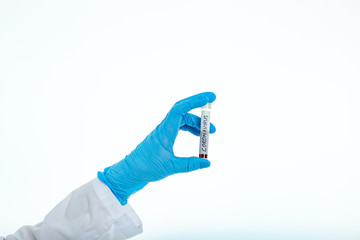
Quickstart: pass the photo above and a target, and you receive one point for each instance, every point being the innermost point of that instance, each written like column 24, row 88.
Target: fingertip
column 212, row 128
column 211, row 96
column 204, row 163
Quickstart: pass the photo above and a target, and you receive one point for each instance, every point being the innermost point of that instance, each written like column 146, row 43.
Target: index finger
column 184, row 106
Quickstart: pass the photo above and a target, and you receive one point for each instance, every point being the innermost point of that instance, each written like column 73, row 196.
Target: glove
column 154, row 159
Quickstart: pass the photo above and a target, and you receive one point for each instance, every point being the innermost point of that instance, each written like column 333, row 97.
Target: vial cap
column 207, row 106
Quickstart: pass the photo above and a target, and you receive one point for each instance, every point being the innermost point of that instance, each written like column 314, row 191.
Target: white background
column 83, row 82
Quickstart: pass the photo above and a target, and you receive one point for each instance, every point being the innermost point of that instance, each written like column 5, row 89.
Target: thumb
column 188, row 164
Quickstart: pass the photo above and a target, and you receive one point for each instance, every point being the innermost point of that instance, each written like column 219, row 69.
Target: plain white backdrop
column 83, row 82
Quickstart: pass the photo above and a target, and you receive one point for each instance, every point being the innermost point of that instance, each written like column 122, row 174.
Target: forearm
column 89, row 212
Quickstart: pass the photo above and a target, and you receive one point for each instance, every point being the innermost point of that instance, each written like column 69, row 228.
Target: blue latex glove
column 154, row 159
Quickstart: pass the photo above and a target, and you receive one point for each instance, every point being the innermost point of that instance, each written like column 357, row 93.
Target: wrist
column 119, row 183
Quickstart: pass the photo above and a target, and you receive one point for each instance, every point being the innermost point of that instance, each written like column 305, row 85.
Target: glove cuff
column 121, row 193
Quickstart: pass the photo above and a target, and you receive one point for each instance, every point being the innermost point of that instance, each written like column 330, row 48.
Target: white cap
column 207, row 106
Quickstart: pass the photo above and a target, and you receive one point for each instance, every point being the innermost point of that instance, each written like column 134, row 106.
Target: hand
column 154, row 159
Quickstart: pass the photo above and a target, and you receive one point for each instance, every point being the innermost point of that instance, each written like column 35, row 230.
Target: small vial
column 204, row 131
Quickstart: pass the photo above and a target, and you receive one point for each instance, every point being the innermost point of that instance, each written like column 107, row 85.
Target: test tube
column 204, row 131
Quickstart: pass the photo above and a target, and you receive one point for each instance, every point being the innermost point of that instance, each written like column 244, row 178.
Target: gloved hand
column 154, row 159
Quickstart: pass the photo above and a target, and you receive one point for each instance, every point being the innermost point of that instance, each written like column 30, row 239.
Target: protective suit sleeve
column 90, row 212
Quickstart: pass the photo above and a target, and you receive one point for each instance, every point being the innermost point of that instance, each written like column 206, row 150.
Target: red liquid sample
column 203, row 156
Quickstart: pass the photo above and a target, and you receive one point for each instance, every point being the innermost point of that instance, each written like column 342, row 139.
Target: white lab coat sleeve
column 90, row 212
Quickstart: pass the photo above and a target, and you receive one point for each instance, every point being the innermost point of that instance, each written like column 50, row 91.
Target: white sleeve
column 90, row 212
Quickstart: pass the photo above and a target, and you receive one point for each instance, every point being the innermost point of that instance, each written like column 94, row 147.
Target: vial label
column 204, row 134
